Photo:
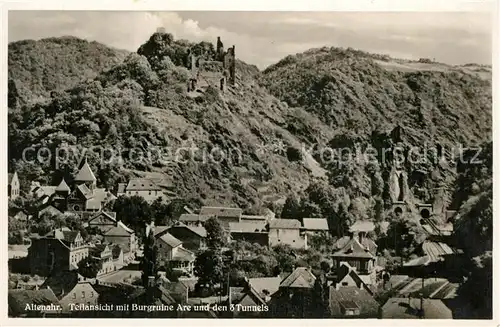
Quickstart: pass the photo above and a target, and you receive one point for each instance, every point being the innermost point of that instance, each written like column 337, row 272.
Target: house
column 192, row 238
column 415, row 308
column 352, row 302
column 143, row 187
column 33, row 303
column 122, row 235
column 171, row 252
column 84, row 196
column 193, row 219
column 104, row 254
column 286, row 231
column 346, row 276
column 265, row 286
column 224, row 214
column 14, row 187
column 367, row 226
column 252, row 232
column 293, row 296
column 243, row 298
column 254, row 219
column 102, row 221
column 154, row 294
column 71, row 288
column 360, row 253
column 315, row 225
column 60, row 249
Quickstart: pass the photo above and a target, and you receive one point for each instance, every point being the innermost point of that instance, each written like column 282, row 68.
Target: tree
column 160, row 212
column 479, row 286
column 216, row 236
column 89, row 267
column 320, row 294
column 291, row 208
column 149, row 262
column 134, row 211
column 208, row 267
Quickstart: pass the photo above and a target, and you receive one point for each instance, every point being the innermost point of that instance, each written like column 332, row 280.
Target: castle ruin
column 217, row 70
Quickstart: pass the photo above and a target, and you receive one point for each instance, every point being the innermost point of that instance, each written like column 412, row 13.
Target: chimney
column 361, row 236
column 151, row 281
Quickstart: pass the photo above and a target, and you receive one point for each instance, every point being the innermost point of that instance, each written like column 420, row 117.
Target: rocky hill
column 271, row 126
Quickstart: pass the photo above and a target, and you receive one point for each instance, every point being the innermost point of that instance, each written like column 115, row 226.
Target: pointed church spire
column 63, row 187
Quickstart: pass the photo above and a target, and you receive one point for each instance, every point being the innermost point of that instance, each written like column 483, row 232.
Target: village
column 54, row 269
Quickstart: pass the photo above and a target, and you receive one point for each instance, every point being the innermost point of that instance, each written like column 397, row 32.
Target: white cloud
column 265, row 37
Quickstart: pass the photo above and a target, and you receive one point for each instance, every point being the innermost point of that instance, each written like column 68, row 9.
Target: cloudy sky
column 262, row 38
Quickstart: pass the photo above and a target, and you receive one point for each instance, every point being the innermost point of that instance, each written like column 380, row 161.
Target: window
column 345, row 283
column 83, row 294
column 74, row 295
column 136, row 192
column 150, row 192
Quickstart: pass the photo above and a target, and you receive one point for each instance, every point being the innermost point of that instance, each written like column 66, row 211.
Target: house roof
column 354, row 247
column 221, row 211
column 420, row 261
column 269, row 284
column 160, row 230
column 92, row 204
column 247, row 227
column 18, row 299
column 407, row 308
column 346, row 270
column 85, row 174
column 11, row 177
column 348, row 296
column 247, row 296
column 85, row 191
column 50, row 209
column 102, row 195
column 367, row 226
column 299, row 278
column 63, row 187
column 64, row 234
column 183, row 255
column 142, row 184
column 187, row 217
column 436, row 249
column 253, row 217
column 98, row 249
column 284, row 224
column 119, row 230
column 170, row 240
column 315, row 224
column 109, row 215
column 62, row 282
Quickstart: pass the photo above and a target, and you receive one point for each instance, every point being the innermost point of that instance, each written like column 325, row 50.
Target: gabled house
column 352, row 302
column 60, row 249
column 347, row 276
column 286, row 231
column 171, row 252
column 103, row 221
column 71, row 288
column 192, row 237
column 122, row 235
column 265, row 286
column 143, row 187
column 315, row 225
column 245, row 297
column 294, row 296
column 104, row 254
column 193, row 219
column 360, row 253
column 224, row 214
column 14, row 187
